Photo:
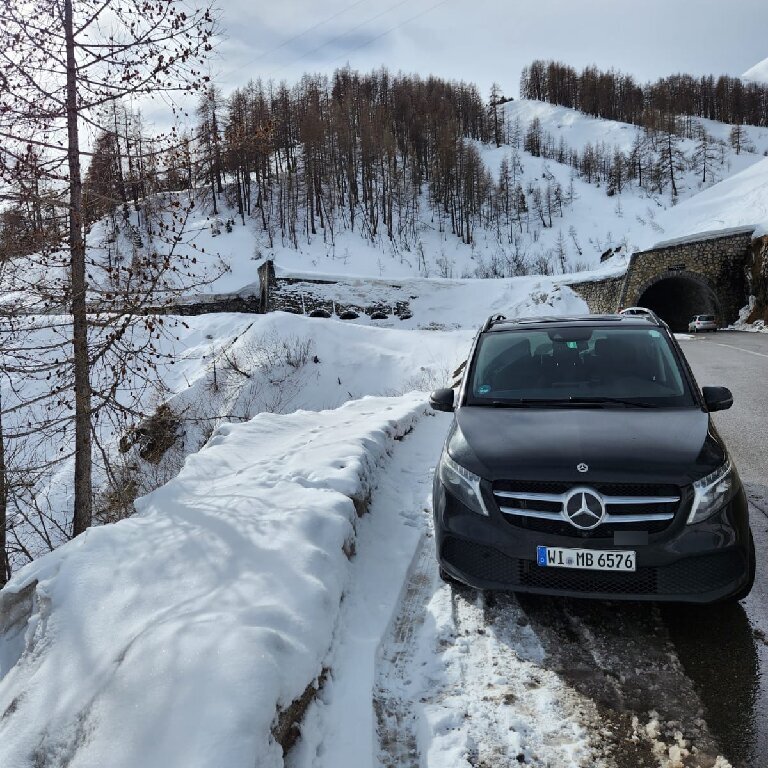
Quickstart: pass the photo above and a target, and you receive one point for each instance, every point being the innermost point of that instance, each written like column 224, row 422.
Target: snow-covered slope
column 584, row 223
column 576, row 128
column 758, row 73
column 740, row 201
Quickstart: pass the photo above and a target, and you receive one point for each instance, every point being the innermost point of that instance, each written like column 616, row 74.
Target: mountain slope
column 566, row 222
column 758, row 73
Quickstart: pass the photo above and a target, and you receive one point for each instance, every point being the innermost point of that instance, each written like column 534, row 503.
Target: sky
column 486, row 41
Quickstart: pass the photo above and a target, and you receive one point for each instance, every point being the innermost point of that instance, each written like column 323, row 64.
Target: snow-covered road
column 421, row 674
column 425, row 675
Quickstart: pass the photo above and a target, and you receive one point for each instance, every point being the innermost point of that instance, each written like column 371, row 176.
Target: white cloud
column 489, row 40
column 483, row 41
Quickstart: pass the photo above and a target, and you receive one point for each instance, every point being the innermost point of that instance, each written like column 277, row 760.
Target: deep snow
column 739, row 201
column 171, row 638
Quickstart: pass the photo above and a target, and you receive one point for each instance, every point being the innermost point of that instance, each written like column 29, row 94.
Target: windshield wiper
column 532, row 402
column 612, row 400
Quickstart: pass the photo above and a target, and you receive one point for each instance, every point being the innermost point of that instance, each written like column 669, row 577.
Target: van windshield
column 631, row 366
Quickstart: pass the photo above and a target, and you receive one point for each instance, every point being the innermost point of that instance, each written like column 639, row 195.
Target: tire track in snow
column 459, row 683
column 620, row 656
column 395, row 719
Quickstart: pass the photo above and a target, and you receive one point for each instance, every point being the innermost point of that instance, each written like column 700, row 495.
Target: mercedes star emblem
column 584, row 509
column 582, row 467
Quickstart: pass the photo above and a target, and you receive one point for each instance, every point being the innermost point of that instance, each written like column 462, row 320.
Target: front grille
column 701, row 574
column 642, row 582
column 604, row 531
column 538, row 506
column 481, row 562
column 690, row 576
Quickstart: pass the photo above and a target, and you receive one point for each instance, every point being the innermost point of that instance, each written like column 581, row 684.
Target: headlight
column 713, row 492
column 462, row 483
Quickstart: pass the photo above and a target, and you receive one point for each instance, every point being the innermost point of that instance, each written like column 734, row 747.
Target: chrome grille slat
column 554, row 497
column 607, row 500
column 609, row 518
column 522, row 504
column 531, row 513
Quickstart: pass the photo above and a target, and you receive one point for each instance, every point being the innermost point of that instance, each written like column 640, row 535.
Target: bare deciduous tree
column 67, row 66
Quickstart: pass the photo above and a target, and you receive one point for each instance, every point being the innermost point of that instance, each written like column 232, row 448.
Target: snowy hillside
column 739, row 201
column 571, row 232
column 555, row 211
column 758, row 73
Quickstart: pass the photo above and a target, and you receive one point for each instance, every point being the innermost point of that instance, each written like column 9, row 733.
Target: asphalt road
column 725, row 652
column 738, row 361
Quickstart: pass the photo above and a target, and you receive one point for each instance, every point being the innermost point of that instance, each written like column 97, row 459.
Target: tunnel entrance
column 677, row 299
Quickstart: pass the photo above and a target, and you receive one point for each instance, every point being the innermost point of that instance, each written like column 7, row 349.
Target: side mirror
column 717, row 398
column 442, row 400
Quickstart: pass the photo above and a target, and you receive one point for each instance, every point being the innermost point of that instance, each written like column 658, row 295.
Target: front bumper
column 701, row 563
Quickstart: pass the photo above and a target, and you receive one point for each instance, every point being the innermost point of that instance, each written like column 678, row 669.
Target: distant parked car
column 702, row 323
column 637, row 311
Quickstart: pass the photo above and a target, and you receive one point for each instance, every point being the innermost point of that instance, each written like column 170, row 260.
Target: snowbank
column 173, row 638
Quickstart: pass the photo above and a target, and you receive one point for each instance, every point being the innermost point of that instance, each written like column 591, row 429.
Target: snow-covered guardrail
column 178, row 637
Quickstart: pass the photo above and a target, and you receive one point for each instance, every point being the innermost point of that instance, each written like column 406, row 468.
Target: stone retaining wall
column 602, row 296
column 759, row 279
column 375, row 298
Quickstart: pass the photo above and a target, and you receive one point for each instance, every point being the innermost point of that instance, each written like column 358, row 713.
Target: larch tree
column 496, row 113
column 65, row 67
column 736, row 137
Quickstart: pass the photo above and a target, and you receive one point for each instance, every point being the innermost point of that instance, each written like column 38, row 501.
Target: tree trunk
column 5, row 571
column 82, row 486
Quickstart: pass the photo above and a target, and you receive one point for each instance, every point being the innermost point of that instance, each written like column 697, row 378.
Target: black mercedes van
column 582, row 461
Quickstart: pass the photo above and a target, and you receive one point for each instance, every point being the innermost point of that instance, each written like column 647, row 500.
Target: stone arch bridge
column 708, row 273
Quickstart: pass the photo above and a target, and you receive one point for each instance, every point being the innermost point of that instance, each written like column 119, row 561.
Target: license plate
column 590, row 559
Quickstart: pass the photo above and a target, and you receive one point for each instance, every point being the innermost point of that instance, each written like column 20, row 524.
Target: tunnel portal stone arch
column 677, row 296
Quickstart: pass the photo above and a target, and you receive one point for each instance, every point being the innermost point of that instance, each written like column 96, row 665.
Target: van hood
column 675, row 446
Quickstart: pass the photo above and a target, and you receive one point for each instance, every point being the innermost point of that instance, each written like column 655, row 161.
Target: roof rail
column 490, row 321
column 655, row 317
